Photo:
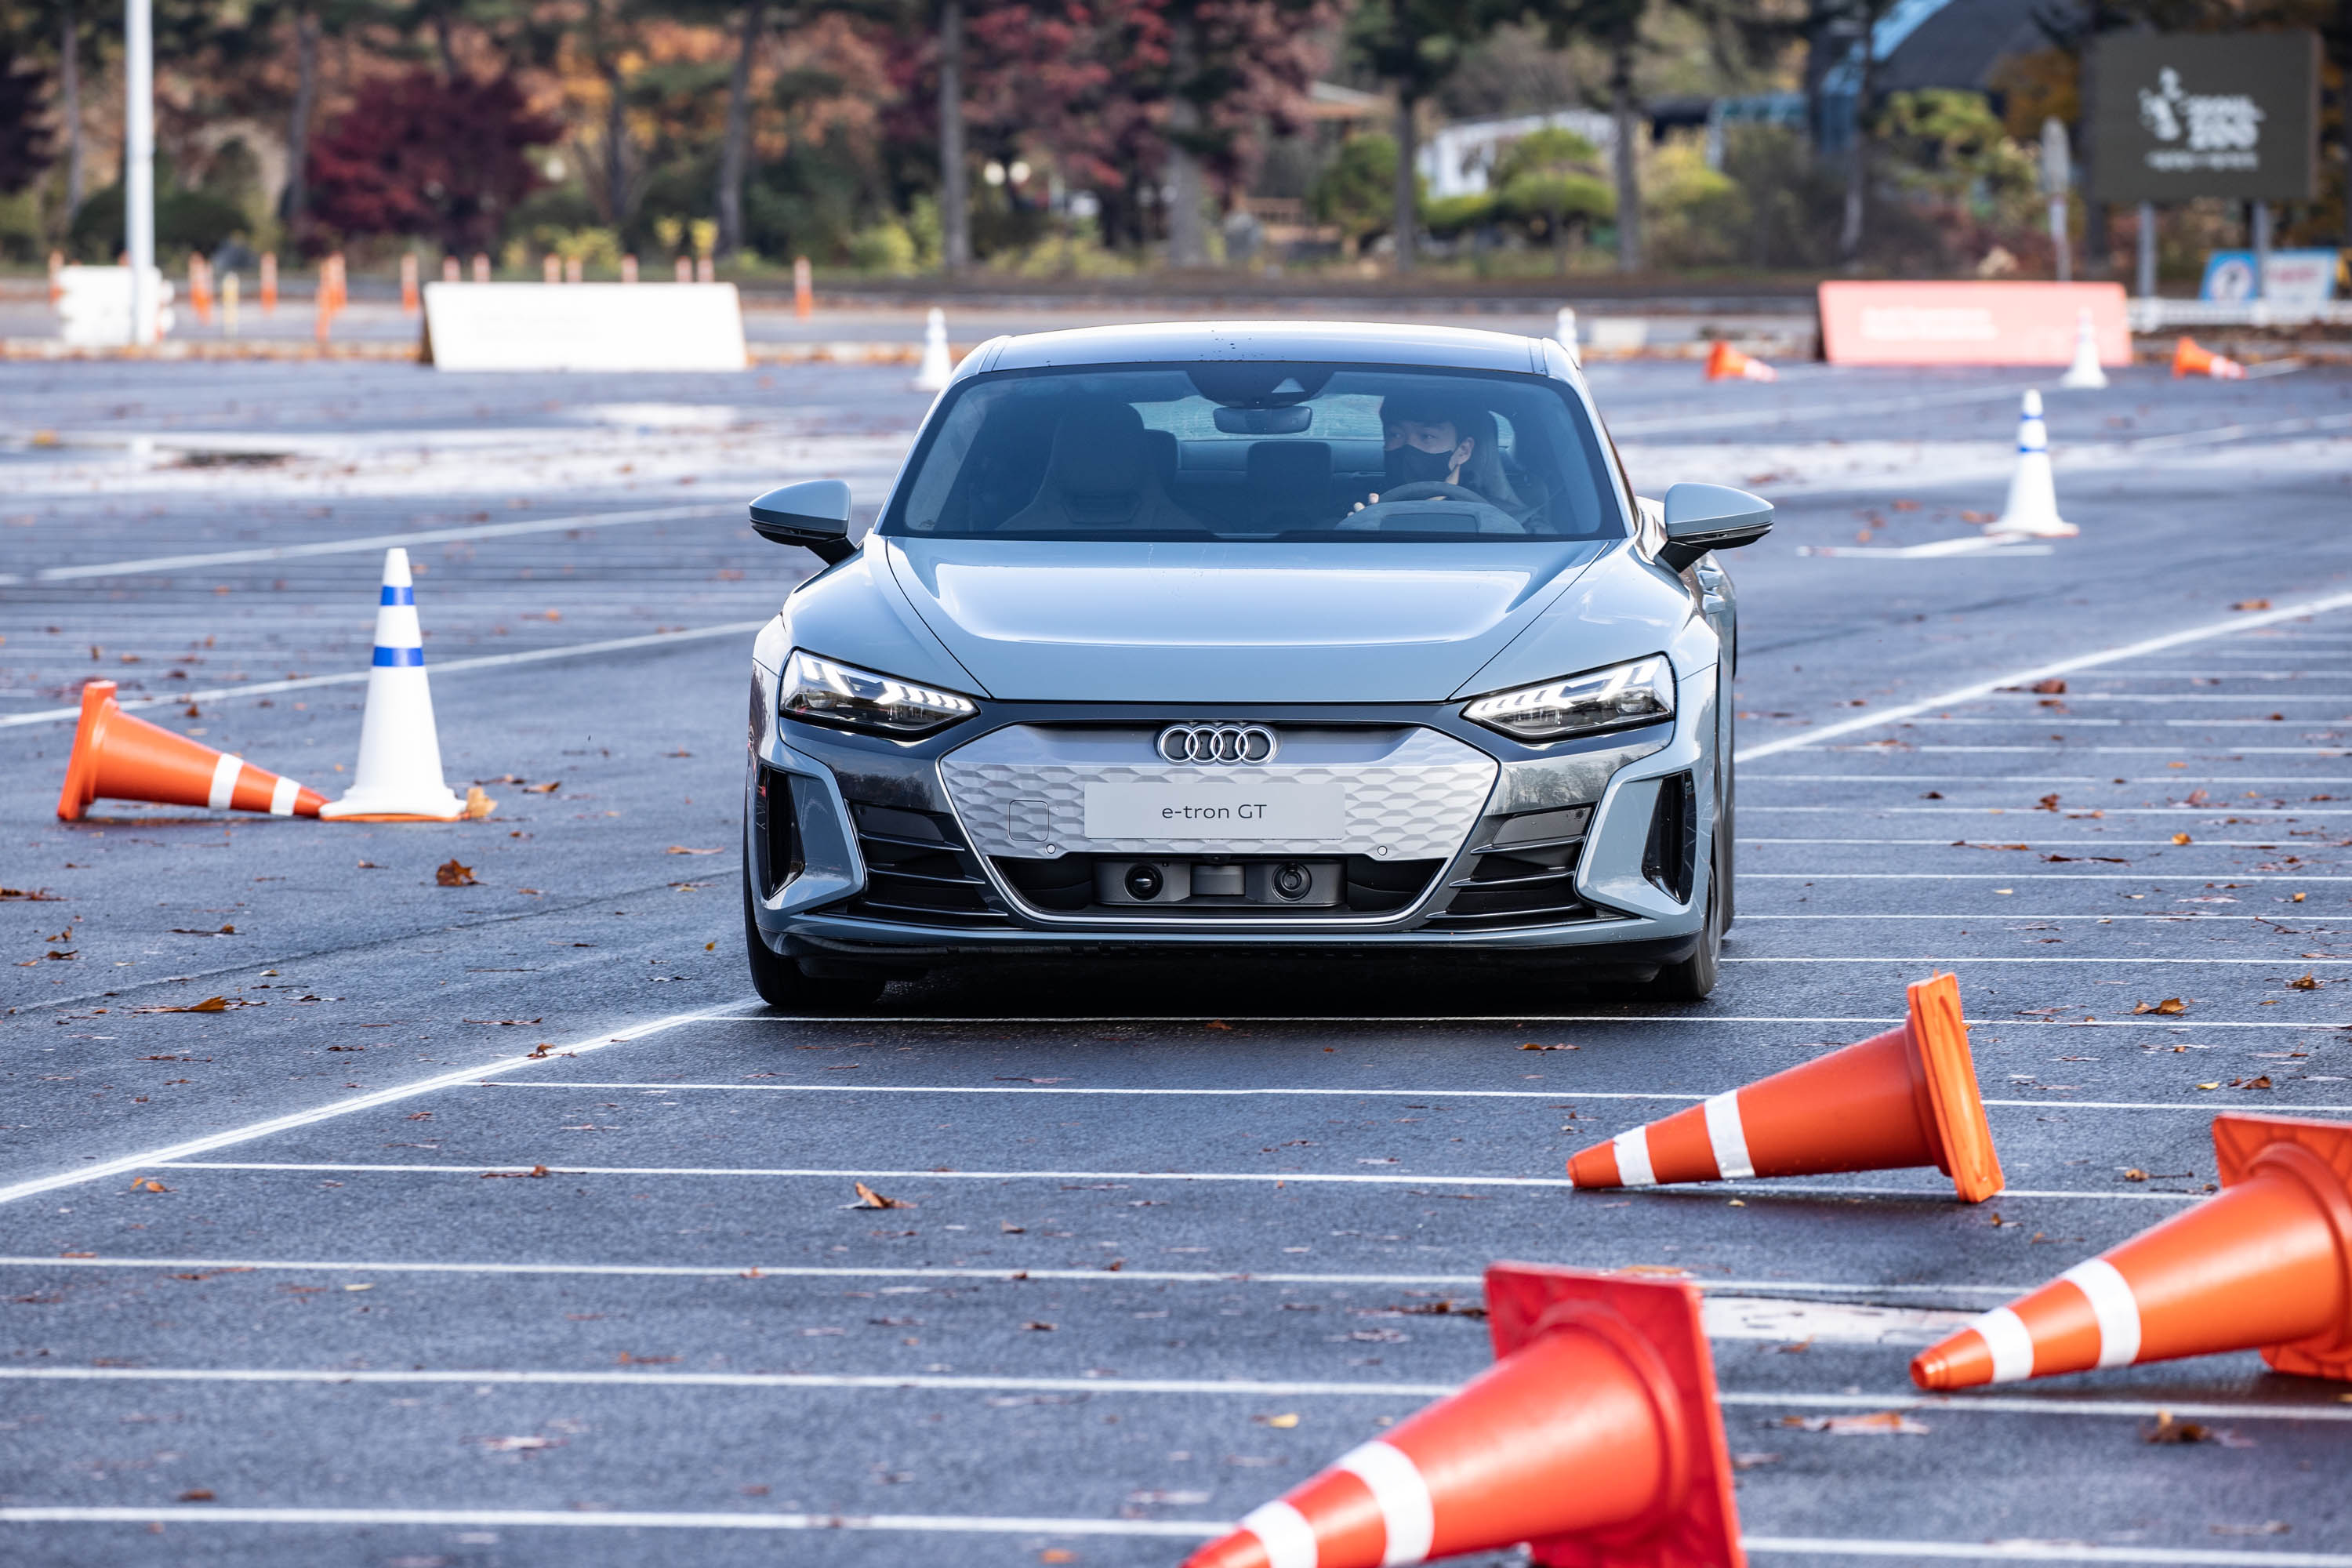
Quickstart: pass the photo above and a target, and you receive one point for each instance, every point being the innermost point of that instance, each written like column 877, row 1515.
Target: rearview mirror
column 1287, row 420
column 812, row 514
column 1700, row 518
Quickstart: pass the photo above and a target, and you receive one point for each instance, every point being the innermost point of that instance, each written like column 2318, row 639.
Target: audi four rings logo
column 1222, row 743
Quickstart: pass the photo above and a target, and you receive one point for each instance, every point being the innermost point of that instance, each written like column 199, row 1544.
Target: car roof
column 1351, row 342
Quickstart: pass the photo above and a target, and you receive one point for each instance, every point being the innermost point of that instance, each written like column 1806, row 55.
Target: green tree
column 1413, row 45
column 1551, row 179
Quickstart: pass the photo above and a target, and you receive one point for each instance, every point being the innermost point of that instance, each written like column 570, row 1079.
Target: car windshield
column 1252, row 451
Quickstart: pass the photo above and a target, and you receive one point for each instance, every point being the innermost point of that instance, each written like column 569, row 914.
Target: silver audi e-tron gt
column 1335, row 638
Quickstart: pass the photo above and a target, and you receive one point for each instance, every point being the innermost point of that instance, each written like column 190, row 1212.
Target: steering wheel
column 1434, row 490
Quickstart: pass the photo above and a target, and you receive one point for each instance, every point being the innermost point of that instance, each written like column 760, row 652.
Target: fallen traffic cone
column 399, row 774
column 2265, row 1266
column 1907, row 1097
column 2188, row 358
column 937, row 369
column 1725, row 363
column 2085, row 374
column 2033, row 509
column 123, row 757
column 1594, row 1437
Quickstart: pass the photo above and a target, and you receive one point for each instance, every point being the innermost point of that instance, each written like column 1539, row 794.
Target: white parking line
column 1772, row 1399
column 1754, row 418
column 1002, row 1275
column 2039, row 780
column 2015, row 915
column 2207, row 632
column 1279, row 1178
column 2237, row 879
column 355, row 677
column 100, row 1169
column 2028, row 815
column 355, row 546
column 2236, row 753
column 1433, row 1095
column 2112, row 962
column 1146, row 1528
column 1391, row 1021
column 2041, row 843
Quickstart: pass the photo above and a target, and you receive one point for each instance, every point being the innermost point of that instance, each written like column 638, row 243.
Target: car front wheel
column 780, row 984
column 1694, row 977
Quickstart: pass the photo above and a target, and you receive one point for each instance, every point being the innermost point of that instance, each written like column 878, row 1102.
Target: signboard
column 583, row 326
column 2294, row 279
column 2207, row 114
column 1969, row 323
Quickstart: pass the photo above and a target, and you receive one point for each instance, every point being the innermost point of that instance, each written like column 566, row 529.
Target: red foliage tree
column 420, row 155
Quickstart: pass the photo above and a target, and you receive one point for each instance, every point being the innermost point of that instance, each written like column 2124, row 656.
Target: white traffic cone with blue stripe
column 399, row 775
column 937, row 369
column 2085, row 374
column 2033, row 509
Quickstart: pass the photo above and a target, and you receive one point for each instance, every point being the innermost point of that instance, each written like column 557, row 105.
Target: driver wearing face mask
column 1429, row 442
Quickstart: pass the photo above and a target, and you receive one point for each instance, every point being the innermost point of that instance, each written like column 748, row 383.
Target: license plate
column 1182, row 810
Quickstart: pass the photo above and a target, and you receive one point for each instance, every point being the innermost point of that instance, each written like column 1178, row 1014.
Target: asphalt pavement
column 558, row 1259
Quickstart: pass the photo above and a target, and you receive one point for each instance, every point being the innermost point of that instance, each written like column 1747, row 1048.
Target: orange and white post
column 628, row 270
column 200, row 286
column 269, row 283
column 411, row 299
column 481, row 268
column 803, row 289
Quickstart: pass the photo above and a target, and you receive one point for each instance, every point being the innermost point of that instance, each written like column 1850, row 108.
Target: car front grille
column 920, row 870
column 1525, row 875
column 1067, row 888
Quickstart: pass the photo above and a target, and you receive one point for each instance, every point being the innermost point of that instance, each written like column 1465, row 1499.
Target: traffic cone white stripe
column 1633, row 1158
column 1728, row 1137
column 2115, row 1307
column 2010, row 1343
column 1406, row 1509
column 1283, row 1531
column 2032, row 506
column 225, row 773
column 282, row 795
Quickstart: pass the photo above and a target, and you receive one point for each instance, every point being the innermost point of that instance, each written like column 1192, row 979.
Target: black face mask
column 1410, row 465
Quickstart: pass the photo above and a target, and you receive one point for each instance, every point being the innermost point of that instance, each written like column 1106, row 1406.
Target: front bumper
column 862, row 852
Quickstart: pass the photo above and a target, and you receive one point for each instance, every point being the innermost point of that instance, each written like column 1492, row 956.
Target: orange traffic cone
column 2188, row 358
column 1907, row 1097
column 1725, row 363
column 2267, row 1265
column 123, row 757
column 1594, row 1437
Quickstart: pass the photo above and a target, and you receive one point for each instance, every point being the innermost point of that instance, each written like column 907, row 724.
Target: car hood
column 1191, row 622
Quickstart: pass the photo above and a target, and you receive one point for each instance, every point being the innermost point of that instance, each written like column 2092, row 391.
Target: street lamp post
column 138, row 164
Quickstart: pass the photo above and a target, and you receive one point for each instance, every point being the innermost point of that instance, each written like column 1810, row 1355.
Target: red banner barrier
column 1969, row 323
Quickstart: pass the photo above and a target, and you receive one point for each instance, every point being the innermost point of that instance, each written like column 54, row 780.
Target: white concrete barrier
column 583, row 326
column 94, row 305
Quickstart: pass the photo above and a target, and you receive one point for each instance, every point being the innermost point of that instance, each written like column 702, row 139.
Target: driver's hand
column 1372, row 499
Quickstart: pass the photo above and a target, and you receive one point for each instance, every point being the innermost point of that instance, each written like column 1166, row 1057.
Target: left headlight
column 1640, row 691
column 844, row 697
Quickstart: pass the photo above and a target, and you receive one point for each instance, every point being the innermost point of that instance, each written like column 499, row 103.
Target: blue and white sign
column 2293, row 279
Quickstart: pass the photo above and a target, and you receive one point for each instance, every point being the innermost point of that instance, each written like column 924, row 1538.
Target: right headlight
column 824, row 691
column 1640, row 691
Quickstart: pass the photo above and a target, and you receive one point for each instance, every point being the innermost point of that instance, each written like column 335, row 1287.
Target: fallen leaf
column 2182, row 838
column 516, row 1444
column 1217, row 1023
column 550, row 787
column 1042, row 1328
column 1884, row 1423
column 450, row 874
column 196, row 1494
column 2305, row 984
column 2252, row 604
column 477, row 804
column 1058, row 1554
column 2050, row 687
column 34, row 895
column 1284, row 1421
column 2135, row 1174
column 209, row 1004
column 1665, row 1270
column 2168, row 1430
column 1531, row 1046
column 2215, row 1084
column 534, row 1171
column 1749, row 1461
column 867, row 1198
column 2169, row 1006
column 2261, row 1082
column 149, row 1184
column 682, row 849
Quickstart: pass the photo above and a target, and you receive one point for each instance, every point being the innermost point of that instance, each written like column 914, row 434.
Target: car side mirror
column 812, row 514
column 1700, row 518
